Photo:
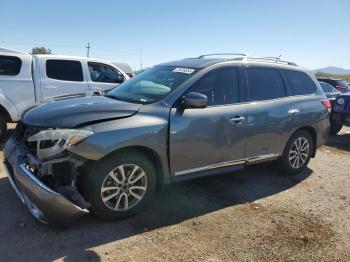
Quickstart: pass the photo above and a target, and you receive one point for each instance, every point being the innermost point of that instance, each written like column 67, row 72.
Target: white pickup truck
column 28, row 80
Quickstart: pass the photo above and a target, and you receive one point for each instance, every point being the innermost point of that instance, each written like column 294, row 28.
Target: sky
column 313, row 33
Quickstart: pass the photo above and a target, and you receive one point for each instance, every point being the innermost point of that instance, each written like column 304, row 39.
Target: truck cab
column 29, row 80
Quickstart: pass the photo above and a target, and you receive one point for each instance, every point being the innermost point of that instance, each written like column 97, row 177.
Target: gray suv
column 176, row 121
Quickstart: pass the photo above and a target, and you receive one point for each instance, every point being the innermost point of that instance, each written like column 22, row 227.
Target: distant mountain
column 333, row 70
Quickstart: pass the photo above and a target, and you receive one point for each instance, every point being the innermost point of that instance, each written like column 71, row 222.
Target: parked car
column 330, row 91
column 340, row 113
column 126, row 68
column 176, row 121
column 341, row 85
column 26, row 81
column 331, row 94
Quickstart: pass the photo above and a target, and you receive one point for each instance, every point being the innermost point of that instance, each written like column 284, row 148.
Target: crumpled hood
column 77, row 111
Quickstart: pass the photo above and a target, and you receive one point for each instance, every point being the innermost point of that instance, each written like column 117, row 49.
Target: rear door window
column 66, row 70
column 10, row 65
column 265, row 84
column 299, row 82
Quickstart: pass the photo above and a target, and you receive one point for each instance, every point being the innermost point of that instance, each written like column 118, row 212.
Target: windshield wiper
column 124, row 99
column 113, row 97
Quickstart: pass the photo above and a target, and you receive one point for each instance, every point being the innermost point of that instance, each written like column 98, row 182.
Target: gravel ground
column 257, row 214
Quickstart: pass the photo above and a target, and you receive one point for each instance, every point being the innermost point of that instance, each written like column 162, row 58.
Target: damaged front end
column 44, row 173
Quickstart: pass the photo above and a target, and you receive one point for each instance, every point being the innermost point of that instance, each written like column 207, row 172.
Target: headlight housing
column 57, row 140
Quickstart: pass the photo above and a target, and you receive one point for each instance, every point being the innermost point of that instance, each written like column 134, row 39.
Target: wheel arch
column 5, row 113
column 312, row 131
column 151, row 155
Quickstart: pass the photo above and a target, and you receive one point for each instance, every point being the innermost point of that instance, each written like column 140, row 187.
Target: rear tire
column 3, row 128
column 297, row 153
column 120, row 185
column 335, row 128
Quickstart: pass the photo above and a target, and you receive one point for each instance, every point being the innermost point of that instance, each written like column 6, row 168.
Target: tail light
column 341, row 89
column 327, row 104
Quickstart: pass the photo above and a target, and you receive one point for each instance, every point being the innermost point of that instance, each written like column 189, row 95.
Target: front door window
column 104, row 73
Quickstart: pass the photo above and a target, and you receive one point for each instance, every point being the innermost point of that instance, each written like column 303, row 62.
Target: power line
column 74, row 46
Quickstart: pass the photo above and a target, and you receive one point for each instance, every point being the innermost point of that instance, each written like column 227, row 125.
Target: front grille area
column 23, row 132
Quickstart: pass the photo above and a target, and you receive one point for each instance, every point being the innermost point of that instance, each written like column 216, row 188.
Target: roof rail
column 245, row 57
column 276, row 60
column 218, row 54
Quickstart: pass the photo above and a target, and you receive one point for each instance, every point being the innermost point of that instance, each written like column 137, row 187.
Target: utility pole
column 88, row 50
column 140, row 59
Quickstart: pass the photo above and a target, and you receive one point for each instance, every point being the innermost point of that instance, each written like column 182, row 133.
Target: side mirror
column 195, row 100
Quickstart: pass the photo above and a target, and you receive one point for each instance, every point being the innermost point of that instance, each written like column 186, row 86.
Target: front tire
column 297, row 153
column 120, row 185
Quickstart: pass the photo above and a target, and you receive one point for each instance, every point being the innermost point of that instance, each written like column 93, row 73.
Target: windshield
column 152, row 85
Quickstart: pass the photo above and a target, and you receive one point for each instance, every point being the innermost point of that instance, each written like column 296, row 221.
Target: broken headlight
column 52, row 142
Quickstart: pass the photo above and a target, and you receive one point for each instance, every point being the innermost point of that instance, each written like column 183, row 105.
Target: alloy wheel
column 124, row 187
column 299, row 152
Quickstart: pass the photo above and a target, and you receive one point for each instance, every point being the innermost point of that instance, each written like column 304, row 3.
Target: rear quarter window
column 299, row 82
column 10, row 65
column 66, row 70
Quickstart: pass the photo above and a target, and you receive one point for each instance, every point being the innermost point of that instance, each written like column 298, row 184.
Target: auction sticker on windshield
column 184, row 70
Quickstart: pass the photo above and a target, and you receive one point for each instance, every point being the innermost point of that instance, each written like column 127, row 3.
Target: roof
column 202, row 61
column 65, row 56
column 193, row 62
column 7, row 50
column 74, row 57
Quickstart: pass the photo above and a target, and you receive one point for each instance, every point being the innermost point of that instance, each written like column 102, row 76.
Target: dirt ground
column 258, row 214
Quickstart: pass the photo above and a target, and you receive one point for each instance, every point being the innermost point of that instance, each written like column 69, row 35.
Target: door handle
column 293, row 111
column 237, row 119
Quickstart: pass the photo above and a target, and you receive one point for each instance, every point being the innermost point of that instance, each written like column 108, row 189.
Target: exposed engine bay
column 50, row 162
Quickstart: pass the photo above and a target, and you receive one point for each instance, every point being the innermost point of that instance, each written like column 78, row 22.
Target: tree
column 40, row 50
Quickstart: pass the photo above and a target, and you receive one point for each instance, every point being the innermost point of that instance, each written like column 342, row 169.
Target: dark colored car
column 330, row 91
column 340, row 113
column 341, row 85
column 331, row 94
column 179, row 120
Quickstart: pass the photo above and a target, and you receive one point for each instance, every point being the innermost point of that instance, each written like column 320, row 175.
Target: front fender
column 9, row 106
column 138, row 131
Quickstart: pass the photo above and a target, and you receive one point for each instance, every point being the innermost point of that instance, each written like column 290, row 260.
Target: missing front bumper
column 44, row 204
